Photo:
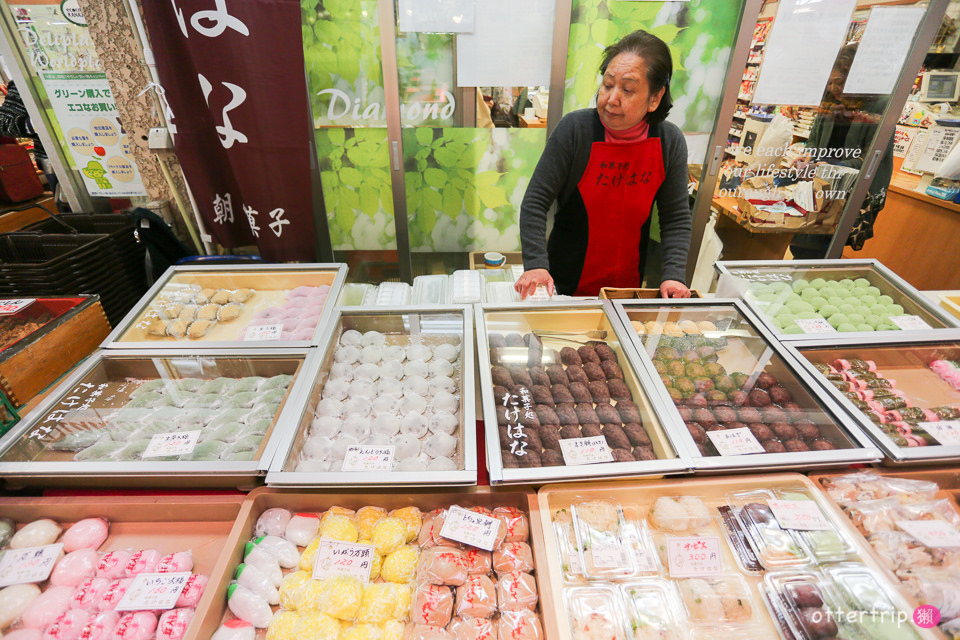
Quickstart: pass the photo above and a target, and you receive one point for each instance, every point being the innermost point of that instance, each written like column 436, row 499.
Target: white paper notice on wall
column 913, row 152
column 801, row 49
column 436, row 16
column 511, row 45
column 939, row 143
column 902, row 138
column 883, row 49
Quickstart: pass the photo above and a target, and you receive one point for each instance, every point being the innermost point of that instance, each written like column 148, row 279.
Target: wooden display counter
column 916, row 235
column 739, row 242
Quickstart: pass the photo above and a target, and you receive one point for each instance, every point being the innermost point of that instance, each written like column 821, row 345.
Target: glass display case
column 390, row 402
column 904, row 394
column 561, row 400
column 805, row 299
column 200, row 418
column 216, row 306
column 738, row 398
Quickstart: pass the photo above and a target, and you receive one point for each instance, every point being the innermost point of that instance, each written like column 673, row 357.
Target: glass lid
column 183, row 408
column 833, row 298
column 564, row 392
column 227, row 306
column 909, row 392
column 735, row 394
column 390, row 389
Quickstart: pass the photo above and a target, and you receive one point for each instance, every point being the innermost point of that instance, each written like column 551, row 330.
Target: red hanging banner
column 233, row 77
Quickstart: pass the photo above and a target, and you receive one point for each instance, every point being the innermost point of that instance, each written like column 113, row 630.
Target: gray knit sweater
column 555, row 179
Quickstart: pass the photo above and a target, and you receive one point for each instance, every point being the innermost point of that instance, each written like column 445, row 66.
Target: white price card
column 263, row 332
column 815, row 325
column 734, row 442
column 910, row 323
column 574, row 565
column 468, row 527
column 608, row 556
column 153, row 591
column 175, row 443
column 694, row 556
column 804, row 515
column 947, row 432
column 12, row 306
column 932, row 533
column 585, row 450
column 646, row 561
column 30, row 564
column 368, row 458
column 336, row 558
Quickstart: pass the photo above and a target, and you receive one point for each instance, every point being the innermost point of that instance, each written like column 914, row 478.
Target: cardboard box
column 823, row 219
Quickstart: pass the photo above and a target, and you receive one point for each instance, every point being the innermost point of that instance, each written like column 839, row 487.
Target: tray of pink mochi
column 297, row 315
column 107, row 542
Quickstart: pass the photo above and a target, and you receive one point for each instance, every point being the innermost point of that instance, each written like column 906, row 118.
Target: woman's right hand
column 528, row 282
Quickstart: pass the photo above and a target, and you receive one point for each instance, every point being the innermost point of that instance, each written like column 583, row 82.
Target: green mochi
column 837, row 319
column 818, row 283
column 861, row 282
column 847, row 327
column 828, row 310
column 800, row 285
column 863, row 326
column 884, row 299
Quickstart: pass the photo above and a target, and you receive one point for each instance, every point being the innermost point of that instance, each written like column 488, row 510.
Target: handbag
column 18, row 175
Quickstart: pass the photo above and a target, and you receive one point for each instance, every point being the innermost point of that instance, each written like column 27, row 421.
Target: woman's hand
column 527, row 283
column 674, row 289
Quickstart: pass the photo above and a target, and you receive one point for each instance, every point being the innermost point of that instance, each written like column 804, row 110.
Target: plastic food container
column 736, row 396
column 801, row 299
column 245, row 305
column 561, row 399
column 135, row 418
column 903, row 393
column 394, row 385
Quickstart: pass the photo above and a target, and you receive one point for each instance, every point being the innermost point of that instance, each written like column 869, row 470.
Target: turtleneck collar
column 636, row 133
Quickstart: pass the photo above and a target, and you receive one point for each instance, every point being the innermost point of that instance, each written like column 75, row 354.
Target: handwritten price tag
column 8, row 307
column 474, row 529
column 263, row 332
column 171, row 444
column 608, row 556
column 336, row 558
column 368, row 458
column 910, row 323
column 804, row 515
column 947, row 432
column 695, row 556
column 734, row 442
column 585, row 450
column 574, row 565
column 30, row 564
column 815, row 325
column 932, row 533
column 153, row 591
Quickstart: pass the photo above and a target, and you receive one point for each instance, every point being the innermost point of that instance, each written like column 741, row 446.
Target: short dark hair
column 656, row 54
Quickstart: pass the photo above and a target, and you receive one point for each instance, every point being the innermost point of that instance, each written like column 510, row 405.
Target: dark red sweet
column 567, row 414
column 749, row 414
column 618, row 390
column 704, row 417
column 760, row 431
column 538, row 375
column 546, row 414
column 576, row 374
column 758, row 398
column 773, row 446
column 594, row 371
column 774, row 414
column 515, row 340
column 611, row 370
column 590, row 430
column 697, row 432
column 644, row 453
column 725, row 414
column 686, row 413
column 637, row 435
column 822, row 445
column 570, row 431
column 569, row 356
column 531, row 459
column 561, row 394
column 501, row 376
column 628, row 411
column 605, row 352
column 807, row 431
column 796, row 445
column 502, row 415
column 496, row 340
column 783, row 430
column 521, row 376
column 622, row 455
column 599, row 391
column 552, row 458
column 607, row 414
column 557, row 375
column 616, row 438
column 549, row 437
column 765, row 380
column 734, row 425
column 586, row 413
column 737, row 398
column 588, row 354
column 779, row 395
column 696, row 401
column 580, row 392
column 541, row 394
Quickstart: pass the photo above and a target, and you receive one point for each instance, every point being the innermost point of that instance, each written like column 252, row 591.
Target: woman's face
column 624, row 98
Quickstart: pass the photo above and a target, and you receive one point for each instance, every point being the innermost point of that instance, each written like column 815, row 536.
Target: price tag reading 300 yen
column 30, row 564
column 804, row 515
column 361, row 457
column 474, row 529
column 585, row 450
column 694, row 556
column 154, row 591
column 336, row 558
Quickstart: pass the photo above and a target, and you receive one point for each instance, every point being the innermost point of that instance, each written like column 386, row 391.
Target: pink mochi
column 85, row 534
column 75, row 567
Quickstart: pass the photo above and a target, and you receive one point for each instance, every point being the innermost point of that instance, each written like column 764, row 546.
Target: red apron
column 617, row 190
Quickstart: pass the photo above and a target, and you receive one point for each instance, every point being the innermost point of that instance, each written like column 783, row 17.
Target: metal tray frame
column 894, row 454
column 112, row 341
column 277, row 477
column 243, row 475
column 607, row 470
column 868, row 453
column 724, row 267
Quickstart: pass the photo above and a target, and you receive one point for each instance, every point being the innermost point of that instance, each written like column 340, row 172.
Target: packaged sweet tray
column 102, row 550
column 800, row 299
column 134, row 417
column 905, row 395
column 403, row 577
column 391, row 402
column 682, row 559
column 911, row 523
column 561, row 398
column 213, row 305
column 742, row 399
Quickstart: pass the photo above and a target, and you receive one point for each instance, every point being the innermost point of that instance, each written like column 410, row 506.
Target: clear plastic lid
column 654, row 610
column 806, row 603
column 596, row 613
column 825, row 545
column 681, row 515
column 863, row 591
column 723, row 600
column 604, row 539
column 774, row 545
column 428, row 290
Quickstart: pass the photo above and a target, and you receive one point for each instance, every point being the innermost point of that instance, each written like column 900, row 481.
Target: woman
column 604, row 168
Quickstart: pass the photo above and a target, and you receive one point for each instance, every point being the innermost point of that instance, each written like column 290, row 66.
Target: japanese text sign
column 735, row 442
column 30, row 564
column 469, row 527
column 336, row 558
column 804, row 515
column 368, row 458
column 175, row 443
column 691, row 557
column 153, row 591
column 585, row 450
